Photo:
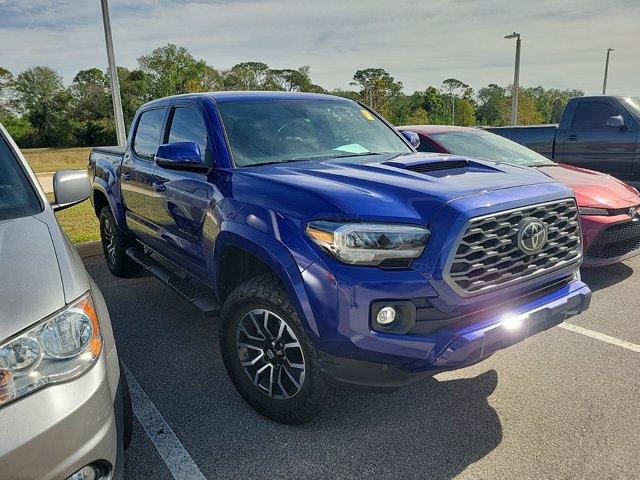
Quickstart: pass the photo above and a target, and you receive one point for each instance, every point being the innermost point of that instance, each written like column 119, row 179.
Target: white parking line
column 601, row 336
column 173, row 453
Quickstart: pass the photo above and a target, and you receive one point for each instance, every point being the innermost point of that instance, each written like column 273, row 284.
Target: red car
column 609, row 208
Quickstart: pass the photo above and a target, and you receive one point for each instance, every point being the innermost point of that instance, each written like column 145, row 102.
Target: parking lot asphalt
column 559, row 405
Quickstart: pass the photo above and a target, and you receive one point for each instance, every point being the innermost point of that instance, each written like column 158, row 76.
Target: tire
column 127, row 410
column 115, row 243
column 271, row 379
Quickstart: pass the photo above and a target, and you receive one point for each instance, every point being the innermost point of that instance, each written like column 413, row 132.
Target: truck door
column 183, row 197
column 136, row 173
column 588, row 142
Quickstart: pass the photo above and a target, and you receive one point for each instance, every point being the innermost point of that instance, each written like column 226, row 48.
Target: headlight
column 59, row 348
column 593, row 211
column 369, row 243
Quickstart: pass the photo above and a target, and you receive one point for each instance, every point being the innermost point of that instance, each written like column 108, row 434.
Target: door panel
column 136, row 175
column 183, row 197
column 589, row 143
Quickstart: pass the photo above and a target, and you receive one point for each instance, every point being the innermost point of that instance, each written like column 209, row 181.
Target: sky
column 419, row 43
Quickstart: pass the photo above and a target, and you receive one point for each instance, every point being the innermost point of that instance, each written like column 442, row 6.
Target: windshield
column 489, row 146
column 633, row 104
column 274, row 131
column 17, row 197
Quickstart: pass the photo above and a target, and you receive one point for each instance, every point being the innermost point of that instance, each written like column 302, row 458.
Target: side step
column 198, row 297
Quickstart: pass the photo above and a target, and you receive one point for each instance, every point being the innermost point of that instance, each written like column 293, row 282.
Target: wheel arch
column 237, row 241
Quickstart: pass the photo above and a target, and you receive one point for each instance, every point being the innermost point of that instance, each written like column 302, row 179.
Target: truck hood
column 594, row 189
column 405, row 186
column 30, row 282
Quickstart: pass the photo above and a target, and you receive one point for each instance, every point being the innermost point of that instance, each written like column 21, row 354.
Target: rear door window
column 593, row 115
column 147, row 136
column 17, row 195
column 187, row 126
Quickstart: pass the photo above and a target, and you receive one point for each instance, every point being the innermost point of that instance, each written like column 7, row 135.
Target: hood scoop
column 427, row 165
column 436, row 166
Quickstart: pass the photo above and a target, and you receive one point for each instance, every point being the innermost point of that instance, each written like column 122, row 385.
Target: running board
column 198, row 297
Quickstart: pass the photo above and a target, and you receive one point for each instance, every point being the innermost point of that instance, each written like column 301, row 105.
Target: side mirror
column 69, row 188
column 180, row 156
column 412, row 137
column 616, row 121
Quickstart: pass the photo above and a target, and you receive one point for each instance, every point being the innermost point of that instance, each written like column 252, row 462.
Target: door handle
column 572, row 138
column 159, row 186
column 126, row 176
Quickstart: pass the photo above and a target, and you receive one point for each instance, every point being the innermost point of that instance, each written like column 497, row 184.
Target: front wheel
column 267, row 354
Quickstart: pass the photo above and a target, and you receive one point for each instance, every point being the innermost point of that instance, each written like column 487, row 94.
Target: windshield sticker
column 367, row 114
column 352, row 148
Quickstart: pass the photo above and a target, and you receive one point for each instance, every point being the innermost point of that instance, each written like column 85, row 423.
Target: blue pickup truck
column 335, row 255
column 599, row 133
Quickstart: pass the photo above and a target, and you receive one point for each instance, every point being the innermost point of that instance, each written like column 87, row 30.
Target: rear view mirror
column 69, row 188
column 615, row 121
column 412, row 137
column 180, row 156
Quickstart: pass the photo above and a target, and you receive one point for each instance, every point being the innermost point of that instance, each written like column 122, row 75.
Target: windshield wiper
column 365, row 154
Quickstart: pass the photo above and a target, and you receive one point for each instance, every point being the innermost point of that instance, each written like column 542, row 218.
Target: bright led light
column 386, row 316
column 514, row 322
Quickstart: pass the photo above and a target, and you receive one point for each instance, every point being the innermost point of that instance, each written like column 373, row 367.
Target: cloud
column 419, row 43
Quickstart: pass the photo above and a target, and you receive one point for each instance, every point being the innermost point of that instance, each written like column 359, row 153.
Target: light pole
column 516, row 79
column 606, row 71
column 121, row 133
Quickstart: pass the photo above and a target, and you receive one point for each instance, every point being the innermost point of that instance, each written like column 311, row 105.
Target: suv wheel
column 267, row 354
column 114, row 245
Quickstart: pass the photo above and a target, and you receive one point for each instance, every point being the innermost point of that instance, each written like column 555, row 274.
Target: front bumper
column 411, row 357
column 609, row 239
column 53, row 433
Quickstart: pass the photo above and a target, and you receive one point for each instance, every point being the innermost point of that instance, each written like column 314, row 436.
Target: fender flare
column 100, row 185
column 273, row 254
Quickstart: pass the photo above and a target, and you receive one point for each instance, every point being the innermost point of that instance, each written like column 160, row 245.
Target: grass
column 79, row 222
column 52, row 159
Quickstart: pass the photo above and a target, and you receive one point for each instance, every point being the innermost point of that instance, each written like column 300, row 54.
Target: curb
column 89, row 249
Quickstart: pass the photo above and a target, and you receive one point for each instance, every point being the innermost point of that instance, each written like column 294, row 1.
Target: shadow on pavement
column 433, row 429
column 599, row 278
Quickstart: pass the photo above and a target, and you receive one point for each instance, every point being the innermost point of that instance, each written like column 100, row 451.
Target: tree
column 135, row 90
column 247, row 76
column 528, row 113
column 491, row 101
column 45, row 103
column 174, row 70
column 6, row 92
column 453, row 86
column 377, row 88
column 91, row 95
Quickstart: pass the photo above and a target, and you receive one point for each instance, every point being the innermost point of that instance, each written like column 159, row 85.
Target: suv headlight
column 369, row 243
column 61, row 347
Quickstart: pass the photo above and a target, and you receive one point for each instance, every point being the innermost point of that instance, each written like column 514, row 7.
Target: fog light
column 514, row 322
column 87, row 473
column 386, row 316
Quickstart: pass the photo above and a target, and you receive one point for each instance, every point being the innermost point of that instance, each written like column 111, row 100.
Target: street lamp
column 516, row 79
column 606, row 71
column 118, row 117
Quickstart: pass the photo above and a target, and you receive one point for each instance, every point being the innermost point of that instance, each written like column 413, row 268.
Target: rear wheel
column 268, row 356
column 115, row 243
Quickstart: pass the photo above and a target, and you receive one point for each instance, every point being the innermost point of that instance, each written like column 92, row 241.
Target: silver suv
column 65, row 411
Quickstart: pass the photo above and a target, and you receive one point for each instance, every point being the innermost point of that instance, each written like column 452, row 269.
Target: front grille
column 616, row 241
column 435, row 166
column 488, row 256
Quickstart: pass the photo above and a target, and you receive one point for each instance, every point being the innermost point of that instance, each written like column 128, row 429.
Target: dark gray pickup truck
column 599, row 133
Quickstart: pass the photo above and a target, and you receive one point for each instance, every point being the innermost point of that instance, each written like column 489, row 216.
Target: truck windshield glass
column 633, row 104
column 489, row 146
column 277, row 131
column 17, row 197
